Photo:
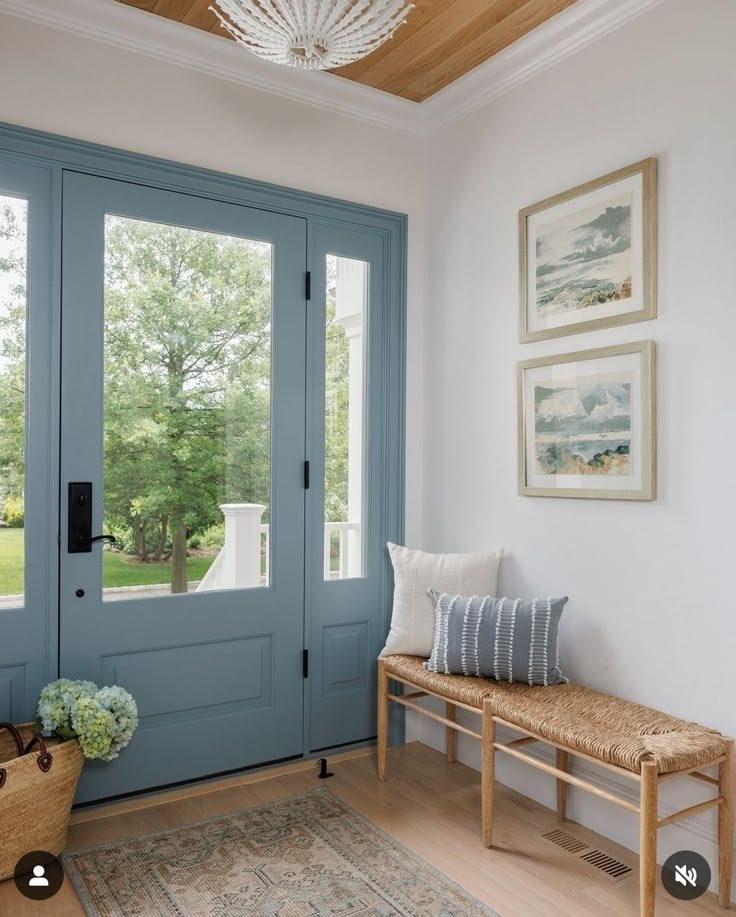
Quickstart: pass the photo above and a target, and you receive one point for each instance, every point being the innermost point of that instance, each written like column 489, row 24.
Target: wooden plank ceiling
column 440, row 41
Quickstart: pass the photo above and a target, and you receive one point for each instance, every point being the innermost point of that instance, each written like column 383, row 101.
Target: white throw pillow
column 412, row 619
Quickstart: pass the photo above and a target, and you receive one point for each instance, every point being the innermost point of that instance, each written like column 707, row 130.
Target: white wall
column 57, row 82
column 651, row 615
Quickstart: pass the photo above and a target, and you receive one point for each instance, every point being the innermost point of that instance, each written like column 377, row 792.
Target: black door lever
column 79, row 522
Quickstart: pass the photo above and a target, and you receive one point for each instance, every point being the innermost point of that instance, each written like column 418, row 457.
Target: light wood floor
column 433, row 808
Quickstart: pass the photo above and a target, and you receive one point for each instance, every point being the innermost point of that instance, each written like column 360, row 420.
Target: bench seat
column 595, row 724
column 636, row 742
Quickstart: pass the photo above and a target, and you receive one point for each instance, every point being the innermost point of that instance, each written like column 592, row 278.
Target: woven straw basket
column 38, row 779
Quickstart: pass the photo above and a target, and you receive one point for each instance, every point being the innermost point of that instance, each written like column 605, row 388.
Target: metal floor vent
column 566, row 841
column 611, row 867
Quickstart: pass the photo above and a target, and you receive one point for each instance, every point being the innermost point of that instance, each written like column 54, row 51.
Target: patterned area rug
column 298, row 857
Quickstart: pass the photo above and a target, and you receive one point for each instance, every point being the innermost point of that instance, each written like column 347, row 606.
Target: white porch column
column 241, row 563
column 351, row 296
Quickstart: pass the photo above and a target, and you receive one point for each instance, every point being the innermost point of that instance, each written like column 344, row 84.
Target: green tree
column 187, row 367
column 337, row 367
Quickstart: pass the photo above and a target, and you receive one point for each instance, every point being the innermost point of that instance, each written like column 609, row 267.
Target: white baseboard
column 697, row 833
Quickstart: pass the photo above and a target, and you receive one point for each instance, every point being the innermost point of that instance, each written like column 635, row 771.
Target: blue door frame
column 24, row 670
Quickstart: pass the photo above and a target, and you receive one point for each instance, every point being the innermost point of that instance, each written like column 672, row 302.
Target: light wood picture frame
column 587, row 424
column 588, row 256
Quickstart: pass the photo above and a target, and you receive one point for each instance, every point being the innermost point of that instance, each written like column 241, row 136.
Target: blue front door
column 183, row 409
column 166, row 378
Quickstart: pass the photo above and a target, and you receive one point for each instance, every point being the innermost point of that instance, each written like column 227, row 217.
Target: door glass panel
column 13, row 320
column 187, row 455
column 345, row 345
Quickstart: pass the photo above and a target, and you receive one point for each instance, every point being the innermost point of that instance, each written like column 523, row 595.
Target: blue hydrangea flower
column 54, row 705
column 125, row 712
column 94, row 726
column 103, row 720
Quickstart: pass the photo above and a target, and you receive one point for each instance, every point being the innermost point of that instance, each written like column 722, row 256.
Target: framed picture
column 587, row 424
column 588, row 257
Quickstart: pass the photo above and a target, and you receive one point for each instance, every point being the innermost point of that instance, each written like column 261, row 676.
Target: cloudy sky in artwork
column 589, row 245
column 592, row 404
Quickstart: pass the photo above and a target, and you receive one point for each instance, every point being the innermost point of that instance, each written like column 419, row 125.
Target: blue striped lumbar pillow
column 506, row 639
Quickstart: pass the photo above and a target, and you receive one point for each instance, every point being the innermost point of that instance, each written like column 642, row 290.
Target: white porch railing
column 245, row 559
column 265, row 548
column 349, row 550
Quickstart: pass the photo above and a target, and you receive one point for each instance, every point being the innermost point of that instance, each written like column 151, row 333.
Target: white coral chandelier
column 311, row 34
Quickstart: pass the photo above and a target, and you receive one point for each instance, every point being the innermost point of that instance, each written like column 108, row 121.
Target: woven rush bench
column 636, row 742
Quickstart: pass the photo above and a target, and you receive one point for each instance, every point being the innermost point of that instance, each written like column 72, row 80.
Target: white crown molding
column 127, row 27
column 562, row 36
column 124, row 26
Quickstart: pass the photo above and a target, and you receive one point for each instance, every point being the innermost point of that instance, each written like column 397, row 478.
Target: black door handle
column 110, row 538
column 79, row 523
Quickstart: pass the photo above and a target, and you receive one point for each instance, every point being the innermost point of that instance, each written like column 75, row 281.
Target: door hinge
column 306, row 475
column 308, row 285
column 305, row 663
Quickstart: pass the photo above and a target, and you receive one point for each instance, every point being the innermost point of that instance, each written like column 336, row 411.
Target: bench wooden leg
column 725, row 825
column 488, row 774
column 450, row 733
column 648, row 839
column 382, row 730
column 563, row 763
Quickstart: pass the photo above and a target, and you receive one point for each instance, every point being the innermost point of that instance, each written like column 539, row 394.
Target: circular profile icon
column 38, row 875
column 686, row 875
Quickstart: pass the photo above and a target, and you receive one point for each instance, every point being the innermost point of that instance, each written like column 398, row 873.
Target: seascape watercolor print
column 587, row 424
column 583, row 425
column 584, row 259
column 587, row 256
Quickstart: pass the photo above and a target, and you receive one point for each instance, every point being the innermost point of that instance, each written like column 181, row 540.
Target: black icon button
column 686, row 875
column 39, row 875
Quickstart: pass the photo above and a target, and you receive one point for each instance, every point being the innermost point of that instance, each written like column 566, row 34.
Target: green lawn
column 11, row 561
column 118, row 569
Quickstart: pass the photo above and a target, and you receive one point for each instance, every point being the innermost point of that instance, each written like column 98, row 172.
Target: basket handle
column 16, row 736
column 19, row 745
column 45, row 758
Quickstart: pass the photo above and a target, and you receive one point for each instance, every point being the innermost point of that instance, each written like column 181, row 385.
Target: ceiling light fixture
column 311, row 34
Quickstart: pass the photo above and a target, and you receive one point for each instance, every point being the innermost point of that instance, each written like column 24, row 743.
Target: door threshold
column 205, row 787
